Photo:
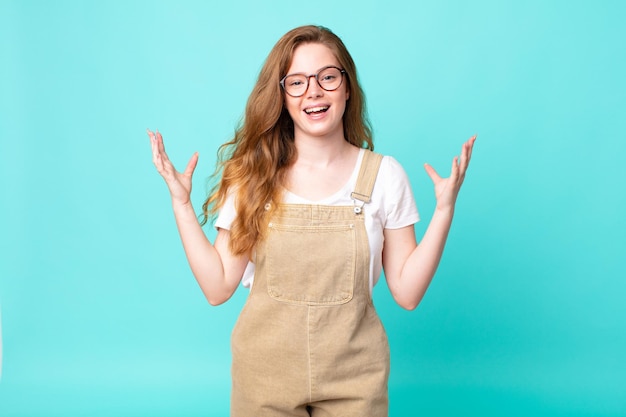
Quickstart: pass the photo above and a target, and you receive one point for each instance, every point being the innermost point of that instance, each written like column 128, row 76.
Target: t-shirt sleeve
column 226, row 214
column 399, row 203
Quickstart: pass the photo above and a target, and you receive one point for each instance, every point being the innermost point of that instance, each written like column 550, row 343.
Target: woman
column 308, row 216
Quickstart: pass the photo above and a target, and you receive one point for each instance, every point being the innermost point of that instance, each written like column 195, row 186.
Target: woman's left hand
column 447, row 189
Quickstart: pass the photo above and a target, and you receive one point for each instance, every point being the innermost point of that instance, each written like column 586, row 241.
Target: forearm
column 409, row 268
column 204, row 259
column 422, row 263
column 217, row 271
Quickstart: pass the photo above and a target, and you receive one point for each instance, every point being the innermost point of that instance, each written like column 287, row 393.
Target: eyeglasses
column 329, row 78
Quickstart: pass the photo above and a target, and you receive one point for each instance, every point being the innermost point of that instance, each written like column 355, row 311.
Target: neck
column 321, row 151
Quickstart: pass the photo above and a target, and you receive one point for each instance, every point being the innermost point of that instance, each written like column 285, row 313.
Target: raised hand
column 178, row 183
column 447, row 189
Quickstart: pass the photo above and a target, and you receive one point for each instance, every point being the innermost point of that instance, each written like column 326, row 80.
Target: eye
column 329, row 76
column 295, row 81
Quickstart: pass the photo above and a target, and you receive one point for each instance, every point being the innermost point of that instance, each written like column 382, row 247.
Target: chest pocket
column 312, row 265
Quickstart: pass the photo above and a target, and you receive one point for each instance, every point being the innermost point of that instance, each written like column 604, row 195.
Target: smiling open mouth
column 316, row 110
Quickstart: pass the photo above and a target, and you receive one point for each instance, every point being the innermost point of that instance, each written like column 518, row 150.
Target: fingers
column 454, row 171
column 156, row 159
column 432, row 173
column 466, row 155
column 159, row 140
column 159, row 156
column 464, row 158
column 165, row 167
column 471, row 146
column 191, row 165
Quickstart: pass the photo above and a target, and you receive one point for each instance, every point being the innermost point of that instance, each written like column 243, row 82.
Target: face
column 317, row 113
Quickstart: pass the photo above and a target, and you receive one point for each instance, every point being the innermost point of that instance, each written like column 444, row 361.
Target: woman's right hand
column 178, row 183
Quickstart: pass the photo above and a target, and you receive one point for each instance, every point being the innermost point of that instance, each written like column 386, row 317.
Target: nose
column 314, row 89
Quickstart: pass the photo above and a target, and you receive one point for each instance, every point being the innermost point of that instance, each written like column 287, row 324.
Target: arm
column 409, row 268
column 216, row 269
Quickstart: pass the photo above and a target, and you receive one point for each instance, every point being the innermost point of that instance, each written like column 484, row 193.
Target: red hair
column 254, row 163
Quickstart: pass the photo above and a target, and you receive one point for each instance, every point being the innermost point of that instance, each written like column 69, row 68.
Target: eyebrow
column 316, row 71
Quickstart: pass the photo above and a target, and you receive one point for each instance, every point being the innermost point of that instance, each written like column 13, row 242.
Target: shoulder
column 391, row 170
column 227, row 212
column 394, row 194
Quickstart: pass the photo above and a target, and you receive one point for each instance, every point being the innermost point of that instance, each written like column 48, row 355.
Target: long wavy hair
column 253, row 165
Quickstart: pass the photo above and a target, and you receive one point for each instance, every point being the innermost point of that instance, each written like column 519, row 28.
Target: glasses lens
column 295, row 85
column 329, row 78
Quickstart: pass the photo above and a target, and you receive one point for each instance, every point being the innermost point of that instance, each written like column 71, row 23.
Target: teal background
column 100, row 313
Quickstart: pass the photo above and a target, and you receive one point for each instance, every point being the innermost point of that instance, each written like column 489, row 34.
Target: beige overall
column 308, row 340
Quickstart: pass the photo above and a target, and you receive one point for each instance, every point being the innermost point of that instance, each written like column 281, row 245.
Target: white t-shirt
column 392, row 206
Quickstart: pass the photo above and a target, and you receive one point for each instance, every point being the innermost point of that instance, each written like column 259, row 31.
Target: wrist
column 446, row 211
column 182, row 206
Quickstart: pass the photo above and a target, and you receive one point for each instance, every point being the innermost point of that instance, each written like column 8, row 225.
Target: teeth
column 315, row 109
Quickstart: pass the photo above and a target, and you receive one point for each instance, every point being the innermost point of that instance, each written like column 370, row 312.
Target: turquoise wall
column 100, row 313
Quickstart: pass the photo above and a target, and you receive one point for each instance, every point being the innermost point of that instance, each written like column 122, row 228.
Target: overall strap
column 367, row 176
